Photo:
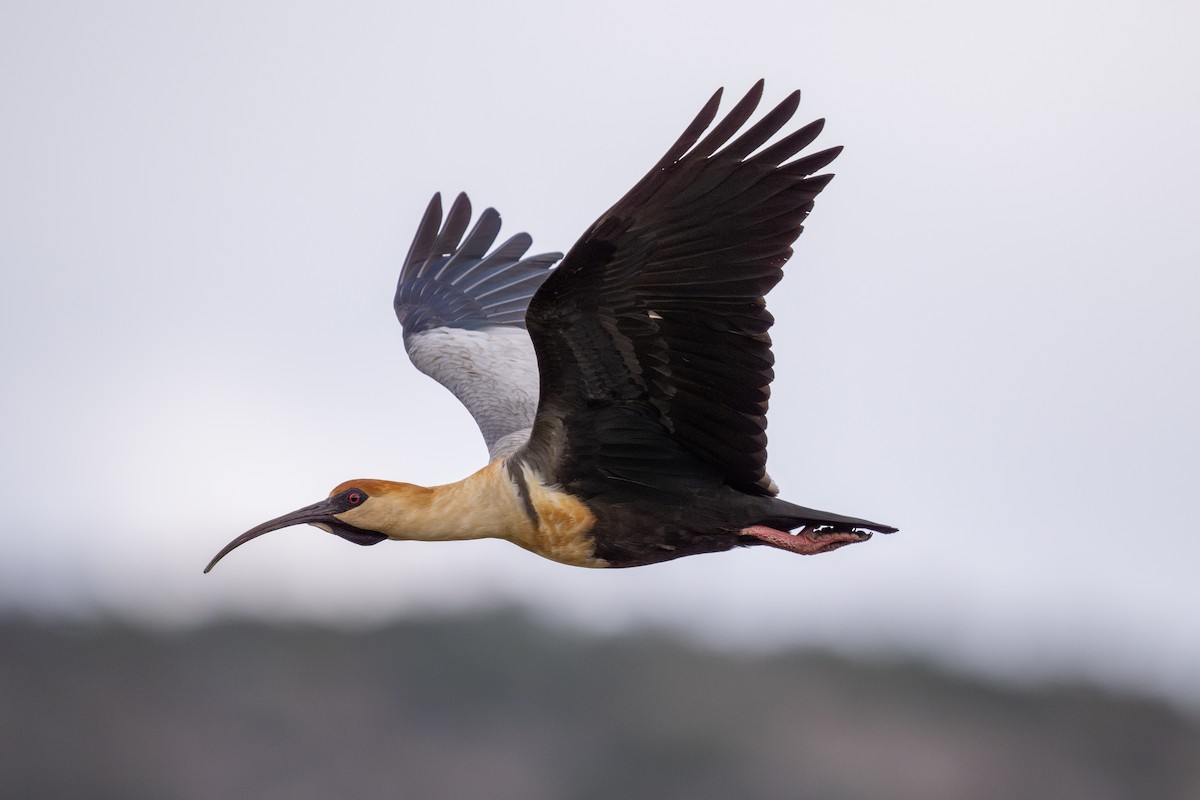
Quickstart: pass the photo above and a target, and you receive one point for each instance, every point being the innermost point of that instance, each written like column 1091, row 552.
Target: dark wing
column 651, row 335
column 463, row 313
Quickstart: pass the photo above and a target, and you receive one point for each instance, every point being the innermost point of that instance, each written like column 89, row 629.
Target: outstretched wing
column 652, row 335
column 463, row 313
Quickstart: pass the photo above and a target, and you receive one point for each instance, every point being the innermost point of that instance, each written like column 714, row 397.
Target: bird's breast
column 560, row 524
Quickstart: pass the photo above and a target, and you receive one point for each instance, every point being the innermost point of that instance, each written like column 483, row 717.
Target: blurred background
column 987, row 337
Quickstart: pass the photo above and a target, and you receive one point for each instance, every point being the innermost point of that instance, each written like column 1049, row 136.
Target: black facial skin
column 344, row 501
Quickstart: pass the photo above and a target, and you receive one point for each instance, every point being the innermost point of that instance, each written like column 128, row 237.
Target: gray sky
column 988, row 336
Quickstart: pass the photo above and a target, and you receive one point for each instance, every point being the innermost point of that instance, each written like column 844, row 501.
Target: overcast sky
column 988, row 336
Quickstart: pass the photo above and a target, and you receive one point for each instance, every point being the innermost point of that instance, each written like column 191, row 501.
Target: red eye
column 354, row 498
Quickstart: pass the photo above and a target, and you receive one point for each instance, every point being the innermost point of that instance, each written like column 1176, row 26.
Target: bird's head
column 355, row 510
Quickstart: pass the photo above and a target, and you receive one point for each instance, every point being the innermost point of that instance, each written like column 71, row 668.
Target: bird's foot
column 807, row 541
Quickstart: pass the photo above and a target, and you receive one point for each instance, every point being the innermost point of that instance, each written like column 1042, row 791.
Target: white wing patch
column 492, row 370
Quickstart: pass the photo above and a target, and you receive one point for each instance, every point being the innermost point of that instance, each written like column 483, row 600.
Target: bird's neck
column 479, row 506
column 494, row 502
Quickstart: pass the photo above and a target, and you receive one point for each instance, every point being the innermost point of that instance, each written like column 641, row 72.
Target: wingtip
column 461, row 205
column 791, row 103
column 814, row 163
column 756, row 91
column 435, row 206
column 709, row 112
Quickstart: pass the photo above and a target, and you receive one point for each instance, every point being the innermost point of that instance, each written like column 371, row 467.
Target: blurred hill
column 501, row 707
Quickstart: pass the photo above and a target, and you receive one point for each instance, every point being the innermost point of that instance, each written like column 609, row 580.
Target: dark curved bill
column 321, row 513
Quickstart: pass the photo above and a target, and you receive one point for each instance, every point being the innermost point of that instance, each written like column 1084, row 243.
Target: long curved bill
column 321, row 514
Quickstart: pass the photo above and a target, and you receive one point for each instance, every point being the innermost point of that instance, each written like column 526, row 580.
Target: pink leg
column 806, row 541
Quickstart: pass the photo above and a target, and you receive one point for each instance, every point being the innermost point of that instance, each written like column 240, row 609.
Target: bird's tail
column 786, row 516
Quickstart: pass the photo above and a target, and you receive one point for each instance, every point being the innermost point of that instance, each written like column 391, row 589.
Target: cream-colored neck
column 481, row 505
column 485, row 504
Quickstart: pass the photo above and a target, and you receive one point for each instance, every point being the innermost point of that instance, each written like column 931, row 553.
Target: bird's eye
column 354, row 498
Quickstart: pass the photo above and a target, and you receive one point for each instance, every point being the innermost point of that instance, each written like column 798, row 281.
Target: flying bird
column 622, row 394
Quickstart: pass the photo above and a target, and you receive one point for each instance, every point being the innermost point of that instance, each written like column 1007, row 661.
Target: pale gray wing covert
column 463, row 313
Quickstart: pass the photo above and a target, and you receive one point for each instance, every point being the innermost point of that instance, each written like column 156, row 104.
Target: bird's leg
column 807, row 541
